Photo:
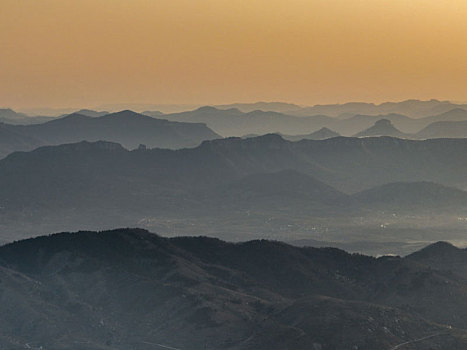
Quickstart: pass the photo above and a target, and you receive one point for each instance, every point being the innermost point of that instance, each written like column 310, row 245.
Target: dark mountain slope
column 128, row 128
column 285, row 191
column 131, row 289
column 410, row 196
column 443, row 256
column 108, row 185
column 11, row 141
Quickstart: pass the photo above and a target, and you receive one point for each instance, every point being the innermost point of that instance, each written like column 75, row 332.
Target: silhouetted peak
column 383, row 122
column 325, row 133
column 382, row 127
column 207, row 109
column 436, row 250
column 125, row 113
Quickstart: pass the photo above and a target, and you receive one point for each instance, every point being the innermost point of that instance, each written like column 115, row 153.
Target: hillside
column 446, row 129
column 413, row 196
column 127, row 128
column 11, row 141
column 9, row 116
column 129, row 288
column 382, row 127
column 263, row 186
column 410, row 108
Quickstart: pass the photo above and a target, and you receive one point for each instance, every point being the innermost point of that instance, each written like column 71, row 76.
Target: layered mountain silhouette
column 410, row 108
column 264, row 182
column 233, row 122
column 382, row 127
column 91, row 113
column 321, row 134
column 128, row 288
column 9, row 116
column 127, row 128
column 448, row 129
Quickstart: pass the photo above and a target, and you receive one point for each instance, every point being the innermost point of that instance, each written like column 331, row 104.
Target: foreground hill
column 413, row 196
column 131, row 289
column 127, row 128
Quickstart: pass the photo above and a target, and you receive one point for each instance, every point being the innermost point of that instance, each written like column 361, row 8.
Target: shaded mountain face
column 447, row 129
column 132, row 289
column 407, row 196
column 283, row 191
column 348, row 164
column 126, row 127
column 11, row 141
column 265, row 185
column 382, row 127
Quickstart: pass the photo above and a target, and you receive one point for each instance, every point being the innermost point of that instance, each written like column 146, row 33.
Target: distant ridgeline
column 128, row 128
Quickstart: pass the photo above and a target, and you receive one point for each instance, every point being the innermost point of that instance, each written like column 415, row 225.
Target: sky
column 86, row 53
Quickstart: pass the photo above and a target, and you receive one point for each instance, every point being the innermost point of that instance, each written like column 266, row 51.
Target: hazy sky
column 66, row 53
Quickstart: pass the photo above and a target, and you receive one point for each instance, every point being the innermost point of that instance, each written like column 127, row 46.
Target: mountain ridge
column 130, row 288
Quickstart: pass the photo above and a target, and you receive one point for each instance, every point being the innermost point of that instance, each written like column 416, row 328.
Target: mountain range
column 129, row 288
column 235, row 187
column 382, row 127
column 9, row 116
column 233, row 122
column 410, row 108
column 126, row 127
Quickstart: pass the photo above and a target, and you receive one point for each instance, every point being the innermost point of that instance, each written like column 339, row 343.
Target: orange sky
column 83, row 53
